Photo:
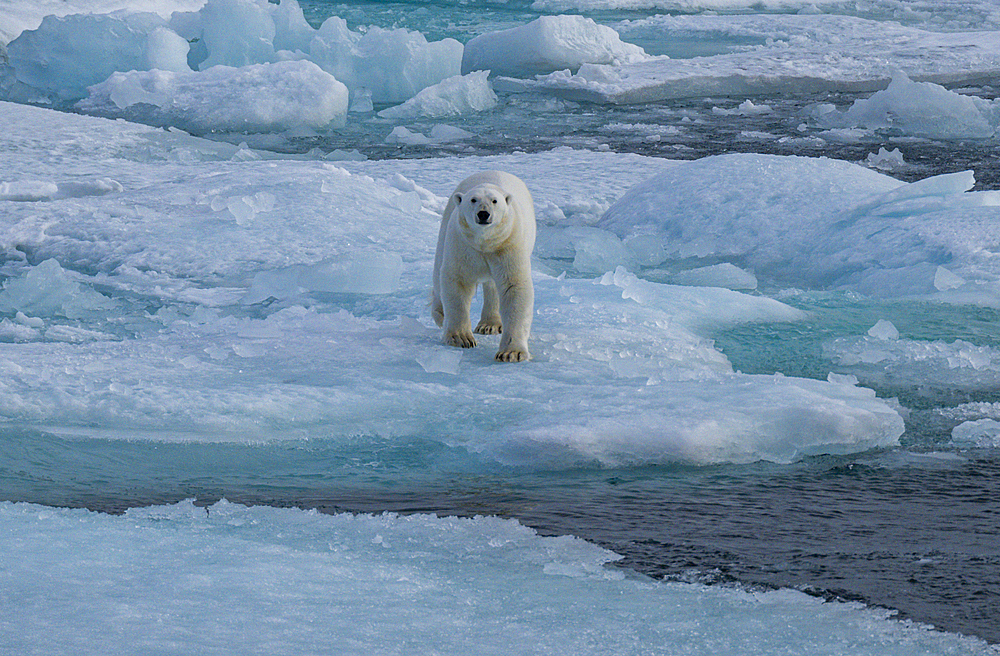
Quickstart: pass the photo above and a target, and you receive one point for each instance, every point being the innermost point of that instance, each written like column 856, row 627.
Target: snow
column 230, row 578
column 547, row 44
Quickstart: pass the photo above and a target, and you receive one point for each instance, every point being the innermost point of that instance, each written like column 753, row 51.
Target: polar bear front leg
column 517, row 304
column 490, row 322
column 456, row 297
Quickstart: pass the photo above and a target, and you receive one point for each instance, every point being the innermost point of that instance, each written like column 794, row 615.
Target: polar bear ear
column 509, row 199
column 458, row 198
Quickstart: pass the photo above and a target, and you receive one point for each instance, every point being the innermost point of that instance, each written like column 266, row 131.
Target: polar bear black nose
column 483, row 217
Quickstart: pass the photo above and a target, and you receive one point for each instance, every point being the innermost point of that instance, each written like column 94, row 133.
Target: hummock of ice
column 546, row 44
column 19, row 16
column 883, row 358
column 799, row 53
column 244, row 313
column 462, row 94
column 64, row 56
column 980, row 433
column 922, row 109
column 255, row 98
column 181, row 577
column 823, row 224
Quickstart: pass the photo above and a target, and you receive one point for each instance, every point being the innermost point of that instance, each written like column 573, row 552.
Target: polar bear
column 487, row 235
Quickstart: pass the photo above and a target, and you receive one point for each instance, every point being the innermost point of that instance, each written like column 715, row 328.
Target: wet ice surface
column 795, row 388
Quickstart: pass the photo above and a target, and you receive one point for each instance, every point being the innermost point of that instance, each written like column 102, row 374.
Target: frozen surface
column 255, row 98
column 263, row 580
column 882, row 357
column 264, row 299
column 980, row 433
column 546, row 44
column 19, row 16
column 63, row 56
column 462, row 94
column 771, row 54
column 922, row 109
column 823, row 224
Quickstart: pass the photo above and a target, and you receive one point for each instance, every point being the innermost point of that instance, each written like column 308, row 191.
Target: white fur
column 496, row 254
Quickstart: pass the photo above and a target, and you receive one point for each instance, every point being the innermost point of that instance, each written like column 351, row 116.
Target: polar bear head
column 483, row 206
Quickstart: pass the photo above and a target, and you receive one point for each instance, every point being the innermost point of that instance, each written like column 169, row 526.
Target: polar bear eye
column 494, row 201
column 473, row 200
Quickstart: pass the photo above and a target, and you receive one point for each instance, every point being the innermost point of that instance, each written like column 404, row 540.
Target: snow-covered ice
column 922, row 109
column 158, row 287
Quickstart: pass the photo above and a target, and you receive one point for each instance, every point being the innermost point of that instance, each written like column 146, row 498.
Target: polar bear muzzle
column 483, row 217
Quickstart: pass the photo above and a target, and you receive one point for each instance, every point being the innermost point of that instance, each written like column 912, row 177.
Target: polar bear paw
column 488, row 327
column 513, row 354
column 460, row 338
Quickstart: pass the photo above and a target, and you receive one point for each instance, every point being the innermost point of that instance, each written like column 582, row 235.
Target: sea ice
column 462, row 94
column 923, row 109
column 182, row 577
column 360, row 273
column 881, row 359
column 981, row 433
column 254, row 98
column 546, row 44
column 391, row 65
column 717, row 275
column 822, row 224
column 65, row 55
column 883, row 330
column 49, row 290
column 886, row 160
column 235, row 33
column 796, row 53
